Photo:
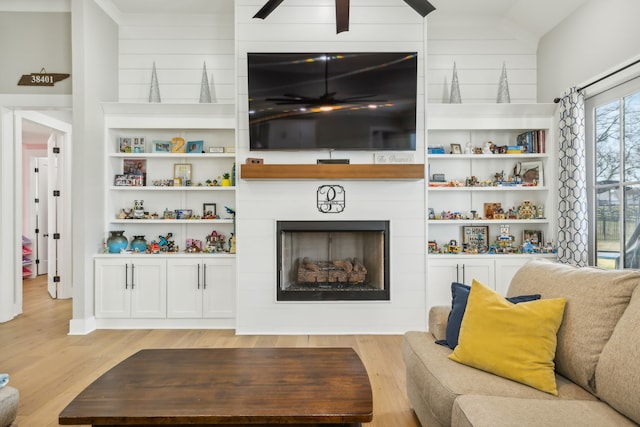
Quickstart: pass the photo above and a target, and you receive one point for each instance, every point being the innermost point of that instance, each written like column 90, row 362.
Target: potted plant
column 226, row 182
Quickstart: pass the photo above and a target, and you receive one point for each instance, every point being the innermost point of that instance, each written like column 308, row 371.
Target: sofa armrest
column 438, row 319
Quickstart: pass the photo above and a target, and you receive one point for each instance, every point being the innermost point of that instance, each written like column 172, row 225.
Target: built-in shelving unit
column 453, row 203
column 333, row 171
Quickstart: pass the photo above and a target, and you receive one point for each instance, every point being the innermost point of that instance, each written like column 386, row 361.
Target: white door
column 54, row 202
column 184, row 288
column 218, row 287
column 148, row 288
column 41, row 222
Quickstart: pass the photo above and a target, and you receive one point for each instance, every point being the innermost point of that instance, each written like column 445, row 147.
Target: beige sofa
column 597, row 361
column 9, row 399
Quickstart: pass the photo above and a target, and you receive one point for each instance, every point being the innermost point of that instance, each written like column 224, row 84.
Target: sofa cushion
column 618, row 371
column 9, row 400
column 596, row 299
column 487, row 411
column 459, row 298
column 516, row 341
column 434, row 381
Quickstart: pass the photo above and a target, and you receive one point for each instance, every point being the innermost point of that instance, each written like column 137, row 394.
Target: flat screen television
column 332, row 101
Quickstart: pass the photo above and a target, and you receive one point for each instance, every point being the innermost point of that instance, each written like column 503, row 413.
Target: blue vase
column 139, row 244
column 117, row 242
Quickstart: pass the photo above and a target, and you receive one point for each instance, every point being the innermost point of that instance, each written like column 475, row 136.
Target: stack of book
column 532, row 141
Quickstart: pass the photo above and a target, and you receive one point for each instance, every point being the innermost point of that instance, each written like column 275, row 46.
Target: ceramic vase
column 139, row 244
column 117, row 241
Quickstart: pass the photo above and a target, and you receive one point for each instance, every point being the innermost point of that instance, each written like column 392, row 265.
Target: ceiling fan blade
column 342, row 16
column 267, row 8
column 423, row 7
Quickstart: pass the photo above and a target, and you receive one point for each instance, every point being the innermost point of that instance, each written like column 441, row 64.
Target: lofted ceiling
column 535, row 16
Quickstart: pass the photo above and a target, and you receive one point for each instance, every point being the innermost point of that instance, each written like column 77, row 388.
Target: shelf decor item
column 455, row 97
column 503, row 87
column 154, row 90
column 139, row 244
column 182, row 171
column 195, row 147
column 205, row 93
column 117, row 242
column 531, row 173
column 226, row 182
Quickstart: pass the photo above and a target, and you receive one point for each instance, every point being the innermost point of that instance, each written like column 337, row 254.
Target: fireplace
column 332, row 260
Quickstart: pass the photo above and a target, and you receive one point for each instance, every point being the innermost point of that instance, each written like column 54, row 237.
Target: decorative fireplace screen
column 333, row 260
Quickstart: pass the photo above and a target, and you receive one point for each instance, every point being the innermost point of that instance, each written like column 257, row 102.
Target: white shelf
column 498, row 188
column 172, row 221
column 485, row 221
column 173, row 155
column 487, row 156
column 174, row 188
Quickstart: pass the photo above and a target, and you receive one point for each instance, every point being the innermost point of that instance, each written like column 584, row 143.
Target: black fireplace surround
column 333, row 260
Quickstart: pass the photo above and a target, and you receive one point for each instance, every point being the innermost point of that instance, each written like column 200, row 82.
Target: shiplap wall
column 479, row 46
column 179, row 44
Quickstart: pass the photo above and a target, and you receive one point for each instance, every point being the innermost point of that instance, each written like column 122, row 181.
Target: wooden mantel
column 333, row 171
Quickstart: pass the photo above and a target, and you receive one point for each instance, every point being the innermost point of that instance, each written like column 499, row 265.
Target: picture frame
column 438, row 177
column 134, row 166
column 195, row 147
column 492, row 209
column 161, row 146
column 124, row 144
column 138, row 145
column 456, row 149
column 532, row 173
column 209, row 211
column 184, row 213
column 476, row 235
column 534, row 236
column 182, row 171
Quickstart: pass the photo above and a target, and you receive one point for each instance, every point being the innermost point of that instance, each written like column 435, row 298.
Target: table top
column 228, row 386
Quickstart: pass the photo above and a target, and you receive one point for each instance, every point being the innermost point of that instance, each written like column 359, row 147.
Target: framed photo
column 438, row 177
column 531, row 173
column 138, row 145
column 161, row 147
column 184, row 213
column 475, row 235
column 195, row 147
column 533, row 236
column 124, row 144
column 182, row 171
column 456, row 149
column 492, row 209
column 209, row 211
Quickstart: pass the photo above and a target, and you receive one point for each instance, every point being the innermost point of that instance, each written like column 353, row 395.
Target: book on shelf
column 532, row 141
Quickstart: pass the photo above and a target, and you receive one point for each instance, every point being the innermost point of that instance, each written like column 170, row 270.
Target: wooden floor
column 50, row 368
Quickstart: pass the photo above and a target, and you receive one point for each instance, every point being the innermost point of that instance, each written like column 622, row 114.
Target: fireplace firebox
column 333, row 260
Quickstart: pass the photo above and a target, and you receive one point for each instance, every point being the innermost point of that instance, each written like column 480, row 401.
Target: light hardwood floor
column 50, row 367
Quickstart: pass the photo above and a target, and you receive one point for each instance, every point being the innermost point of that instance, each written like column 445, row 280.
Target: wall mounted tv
column 332, row 101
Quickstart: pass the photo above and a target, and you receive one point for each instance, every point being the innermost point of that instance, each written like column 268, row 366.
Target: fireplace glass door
column 333, row 260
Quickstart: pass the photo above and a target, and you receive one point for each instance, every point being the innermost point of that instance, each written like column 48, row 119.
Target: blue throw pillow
column 459, row 297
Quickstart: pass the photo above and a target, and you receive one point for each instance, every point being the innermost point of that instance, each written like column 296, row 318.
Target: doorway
column 45, row 142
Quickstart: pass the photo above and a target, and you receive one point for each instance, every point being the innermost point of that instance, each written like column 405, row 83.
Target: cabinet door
column 148, row 288
column 480, row 269
column 219, row 289
column 184, row 288
column 112, row 288
column 505, row 270
column 441, row 272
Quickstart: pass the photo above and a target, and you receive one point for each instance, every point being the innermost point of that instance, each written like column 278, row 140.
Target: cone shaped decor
column 205, row 94
column 503, row 88
column 455, row 98
column 154, row 91
column 445, row 91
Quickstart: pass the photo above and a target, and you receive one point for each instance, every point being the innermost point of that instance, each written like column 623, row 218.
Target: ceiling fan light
column 423, row 7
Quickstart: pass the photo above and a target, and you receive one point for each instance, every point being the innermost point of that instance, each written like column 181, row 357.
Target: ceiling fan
column 327, row 100
column 423, row 7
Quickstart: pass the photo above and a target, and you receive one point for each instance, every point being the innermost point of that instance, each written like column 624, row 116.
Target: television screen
column 335, row 101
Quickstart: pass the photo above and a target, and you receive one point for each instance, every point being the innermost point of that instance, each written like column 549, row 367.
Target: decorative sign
column 41, row 79
column 331, row 198
column 391, row 158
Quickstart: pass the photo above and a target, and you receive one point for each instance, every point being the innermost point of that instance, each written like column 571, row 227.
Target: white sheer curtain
column 572, row 217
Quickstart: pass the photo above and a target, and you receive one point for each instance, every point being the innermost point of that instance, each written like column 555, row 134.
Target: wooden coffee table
column 228, row 386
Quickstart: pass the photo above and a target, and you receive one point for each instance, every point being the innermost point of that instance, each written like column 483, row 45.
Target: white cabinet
column 442, row 271
column 201, row 287
column 130, row 288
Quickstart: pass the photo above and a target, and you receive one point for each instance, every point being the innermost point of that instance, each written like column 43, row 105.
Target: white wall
column 479, row 46
column 180, row 44
column 95, row 70
column 593, row 40
column 302, row 26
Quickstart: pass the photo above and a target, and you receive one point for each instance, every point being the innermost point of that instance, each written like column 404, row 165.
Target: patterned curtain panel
column 572, row 217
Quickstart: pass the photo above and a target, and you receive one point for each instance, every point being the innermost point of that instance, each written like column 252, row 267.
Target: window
column 613, row 139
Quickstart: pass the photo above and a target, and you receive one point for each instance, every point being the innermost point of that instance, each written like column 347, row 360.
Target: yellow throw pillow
column 515, row 341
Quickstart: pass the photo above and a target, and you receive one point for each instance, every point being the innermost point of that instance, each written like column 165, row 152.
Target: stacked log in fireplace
column 342, row 271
